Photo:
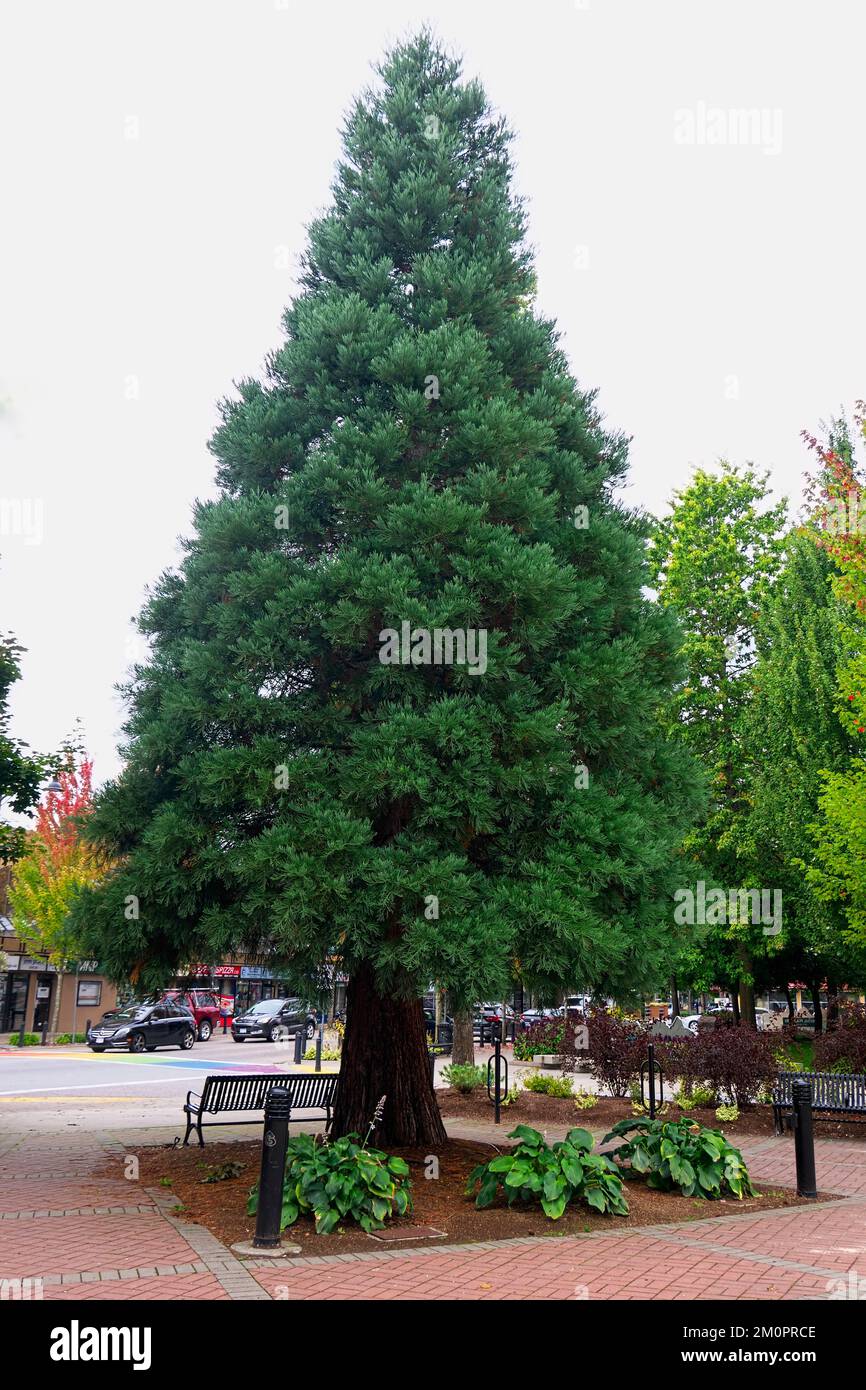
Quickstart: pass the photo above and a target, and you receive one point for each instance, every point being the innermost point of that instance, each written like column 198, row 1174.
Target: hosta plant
column 550, row 1174
column 342, row 1181
column 682, row 1154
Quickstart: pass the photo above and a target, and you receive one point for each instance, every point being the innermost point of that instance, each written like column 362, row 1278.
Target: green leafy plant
column 728, row 1113
column 30, row 1039
column 342, row 1181
column 552, row 1175
column 585, row 1100
column 464, row 1078
column 328, row 1054
column 544, row 1084
column 222, row 1172
column 512, row 1097
column 680, row 1153
column 694, row 1098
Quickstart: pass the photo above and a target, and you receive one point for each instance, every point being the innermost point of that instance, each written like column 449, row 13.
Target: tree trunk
column 55, row 1007
column 832, row 1005
column 747, row 989
column 815, row 991
column 675, row 998
column 735, row 1001
column 747, row 1004
column 385, row 1054
column 463, row 1049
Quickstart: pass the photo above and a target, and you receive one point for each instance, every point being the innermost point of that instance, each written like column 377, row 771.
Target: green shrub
column 697, row 1097
column 728, row 1113
column 551, row 1175
column 30, row 1039
column 68, row 1038
column 464, row 1078
column 342, row 1181
column 328, row 1055
column 788, row 1063
column 544, row 1084
column 842, row 1066
column 585, row 1100
column 680, row 1153
column 511, row 1098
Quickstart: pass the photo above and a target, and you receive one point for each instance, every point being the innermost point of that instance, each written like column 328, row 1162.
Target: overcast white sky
column 161, row 158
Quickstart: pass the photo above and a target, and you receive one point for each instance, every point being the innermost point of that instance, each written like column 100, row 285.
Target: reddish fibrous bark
column 385, row 1054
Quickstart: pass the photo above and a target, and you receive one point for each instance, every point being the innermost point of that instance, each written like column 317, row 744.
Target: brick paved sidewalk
column 87, row 1235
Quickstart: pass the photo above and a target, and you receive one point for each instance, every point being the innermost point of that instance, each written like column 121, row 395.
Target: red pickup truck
column 204, row 1006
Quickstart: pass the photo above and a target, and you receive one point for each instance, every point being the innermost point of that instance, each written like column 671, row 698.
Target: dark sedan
column 144, row 1028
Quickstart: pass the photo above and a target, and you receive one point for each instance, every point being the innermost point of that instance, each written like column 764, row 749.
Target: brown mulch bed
column 221, row 1206
column 538, row 1110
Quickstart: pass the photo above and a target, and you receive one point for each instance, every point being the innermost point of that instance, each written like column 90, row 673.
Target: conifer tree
column 308, row 775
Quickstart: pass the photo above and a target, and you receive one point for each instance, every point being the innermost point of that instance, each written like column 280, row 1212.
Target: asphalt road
column 53, row 1089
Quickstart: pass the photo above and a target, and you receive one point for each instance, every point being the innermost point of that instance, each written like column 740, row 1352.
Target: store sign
column 84, row 967
column 256, row 972
column 34, row 963
column 232, row 971
column 12, row 962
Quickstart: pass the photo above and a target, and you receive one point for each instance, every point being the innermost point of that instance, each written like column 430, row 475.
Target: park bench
column 835, row 1093
column 230, row 1094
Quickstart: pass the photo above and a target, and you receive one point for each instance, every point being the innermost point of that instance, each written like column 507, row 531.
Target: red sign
column 205, row 971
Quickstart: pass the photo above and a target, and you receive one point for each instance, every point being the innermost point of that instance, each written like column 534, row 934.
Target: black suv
column 144, row 1027
column 273, row 1020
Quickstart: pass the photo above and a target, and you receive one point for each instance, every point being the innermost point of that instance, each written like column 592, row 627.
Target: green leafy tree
column 795, row 738
column 713, row 560
column 20, row 770
column 835, row 872
column 419, row 454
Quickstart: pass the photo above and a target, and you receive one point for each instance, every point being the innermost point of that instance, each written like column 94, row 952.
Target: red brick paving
column 789, row 1254
column 164, row 1289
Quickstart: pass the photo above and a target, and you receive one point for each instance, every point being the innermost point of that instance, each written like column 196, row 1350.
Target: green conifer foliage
column 418, row 454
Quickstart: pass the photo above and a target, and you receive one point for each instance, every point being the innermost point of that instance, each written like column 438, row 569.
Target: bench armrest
column 189, row 1097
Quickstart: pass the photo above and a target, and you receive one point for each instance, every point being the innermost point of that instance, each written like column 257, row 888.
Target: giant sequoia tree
column 418, row 455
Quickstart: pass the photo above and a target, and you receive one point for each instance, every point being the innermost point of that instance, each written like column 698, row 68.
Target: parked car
column 273, row 1020
column 204, row 1006
column 487, row 1021
column 144, row 1027
column 532, row 1016
column 430, row 1023
column 690, row 1021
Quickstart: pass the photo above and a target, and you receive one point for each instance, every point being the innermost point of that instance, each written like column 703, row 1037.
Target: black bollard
column 300, row 1039
column 278, row 1108
column 804, row 1139
column 651, row 1056
column 319, row 1037
column 497, row 1073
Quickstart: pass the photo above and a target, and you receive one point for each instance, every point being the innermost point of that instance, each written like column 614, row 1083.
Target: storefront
column 30, row 986
column 239, row 986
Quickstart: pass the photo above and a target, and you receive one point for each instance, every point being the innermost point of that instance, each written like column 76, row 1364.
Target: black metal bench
column 249, row 1092
column 836, row 1093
